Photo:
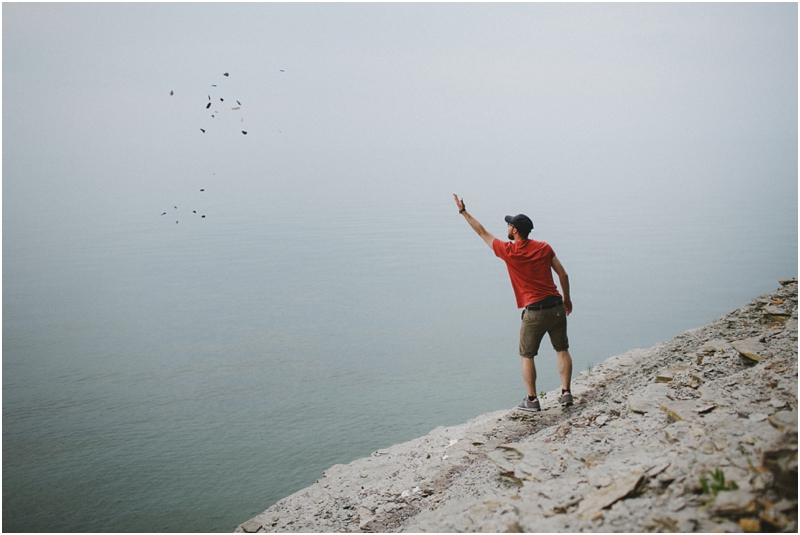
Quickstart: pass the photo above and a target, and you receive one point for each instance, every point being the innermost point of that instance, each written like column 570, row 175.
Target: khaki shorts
column 535, row 323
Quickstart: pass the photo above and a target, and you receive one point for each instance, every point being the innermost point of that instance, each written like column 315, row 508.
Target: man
column 530, row 265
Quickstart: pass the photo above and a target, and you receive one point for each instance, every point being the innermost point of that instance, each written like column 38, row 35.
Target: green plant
column 543, row 394
column 589, row 367
column 717, row 483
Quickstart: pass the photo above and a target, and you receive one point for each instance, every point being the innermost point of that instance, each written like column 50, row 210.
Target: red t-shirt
column 529, row 267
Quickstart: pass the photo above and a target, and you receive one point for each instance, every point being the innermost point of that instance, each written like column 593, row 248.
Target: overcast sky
column 571, row 103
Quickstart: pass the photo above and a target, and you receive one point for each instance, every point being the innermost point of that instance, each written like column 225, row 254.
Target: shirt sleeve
column 499, row 248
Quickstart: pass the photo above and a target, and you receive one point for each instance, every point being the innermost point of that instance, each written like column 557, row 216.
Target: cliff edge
column 695, row 434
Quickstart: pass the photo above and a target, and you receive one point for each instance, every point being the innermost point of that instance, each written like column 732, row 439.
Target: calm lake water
column 184, row 377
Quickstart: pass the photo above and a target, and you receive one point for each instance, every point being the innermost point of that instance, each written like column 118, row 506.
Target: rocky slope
column 695, row 434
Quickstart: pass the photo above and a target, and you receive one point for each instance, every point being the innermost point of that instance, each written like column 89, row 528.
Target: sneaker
column 566, row 399
column 530, row 406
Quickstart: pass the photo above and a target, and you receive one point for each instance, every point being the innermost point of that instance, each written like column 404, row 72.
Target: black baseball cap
column 521, row 222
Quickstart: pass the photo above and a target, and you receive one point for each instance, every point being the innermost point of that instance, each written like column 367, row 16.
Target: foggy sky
column 509, row 105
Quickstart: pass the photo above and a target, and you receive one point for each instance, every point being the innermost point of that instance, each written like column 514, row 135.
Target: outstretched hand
column 459, row 203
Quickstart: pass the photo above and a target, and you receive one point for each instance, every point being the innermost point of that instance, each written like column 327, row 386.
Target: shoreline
column 650, row 431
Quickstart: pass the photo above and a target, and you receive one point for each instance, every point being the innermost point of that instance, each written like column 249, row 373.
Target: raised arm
column 563, row 278
column 485, row 235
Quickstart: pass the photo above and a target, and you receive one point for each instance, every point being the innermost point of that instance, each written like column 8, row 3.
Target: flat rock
column 750, row 348
column 735, row 502
column 784, row 420
column 681, row 410
column 791, row 326
column 609, row 495
column 777, row 403
column 251, row 526
column 714, row 345
column 649, row 399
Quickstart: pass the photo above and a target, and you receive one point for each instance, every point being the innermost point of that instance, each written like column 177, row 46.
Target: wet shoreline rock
column 689, row 435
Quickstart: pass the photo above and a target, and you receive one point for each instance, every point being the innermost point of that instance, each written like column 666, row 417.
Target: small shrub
column 717, row 483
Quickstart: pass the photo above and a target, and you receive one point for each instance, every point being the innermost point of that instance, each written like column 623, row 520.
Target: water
column 183, row 377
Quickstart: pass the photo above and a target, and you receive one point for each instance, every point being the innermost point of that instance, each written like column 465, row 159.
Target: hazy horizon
column 516, row 106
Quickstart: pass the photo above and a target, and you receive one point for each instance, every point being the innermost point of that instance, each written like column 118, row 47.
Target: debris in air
column 203, row 130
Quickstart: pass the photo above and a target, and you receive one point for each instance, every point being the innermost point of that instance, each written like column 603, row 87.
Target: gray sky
column 567, row 104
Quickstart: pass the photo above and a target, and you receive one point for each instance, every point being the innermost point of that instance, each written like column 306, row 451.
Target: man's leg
column 529, row 375
column 564, row 368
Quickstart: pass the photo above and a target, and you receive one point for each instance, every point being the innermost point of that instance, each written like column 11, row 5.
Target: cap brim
column 509, row 219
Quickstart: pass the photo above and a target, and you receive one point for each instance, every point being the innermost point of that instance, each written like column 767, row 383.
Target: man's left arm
column 563, row 279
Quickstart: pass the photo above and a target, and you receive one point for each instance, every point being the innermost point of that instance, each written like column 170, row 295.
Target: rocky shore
column 695, row 434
